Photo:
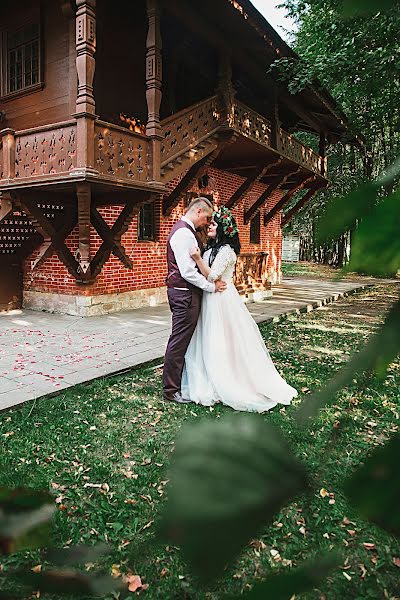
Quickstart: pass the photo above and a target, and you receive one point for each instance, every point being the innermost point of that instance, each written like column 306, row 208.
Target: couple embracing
column 215, row 352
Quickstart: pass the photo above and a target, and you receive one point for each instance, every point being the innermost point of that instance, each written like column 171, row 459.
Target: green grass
column 104, row 450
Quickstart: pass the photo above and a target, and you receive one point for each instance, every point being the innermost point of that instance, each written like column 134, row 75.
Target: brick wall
column 149, row 257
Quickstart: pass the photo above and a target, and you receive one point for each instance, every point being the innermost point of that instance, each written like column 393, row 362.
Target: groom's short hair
column 201, row 201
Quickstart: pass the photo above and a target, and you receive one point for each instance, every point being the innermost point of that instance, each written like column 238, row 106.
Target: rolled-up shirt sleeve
column 181, row 243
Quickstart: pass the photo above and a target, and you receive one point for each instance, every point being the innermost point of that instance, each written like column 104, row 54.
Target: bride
column 227, row 360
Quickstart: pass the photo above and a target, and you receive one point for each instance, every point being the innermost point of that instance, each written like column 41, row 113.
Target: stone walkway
column 43, row 353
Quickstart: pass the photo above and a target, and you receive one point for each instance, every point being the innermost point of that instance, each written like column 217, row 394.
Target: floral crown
column 226, row 218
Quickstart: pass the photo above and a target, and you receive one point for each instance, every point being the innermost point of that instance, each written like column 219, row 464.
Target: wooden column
column 226, row 91
column 153, row 85
column 85, row 42
column 8, row 138
column 83, row 194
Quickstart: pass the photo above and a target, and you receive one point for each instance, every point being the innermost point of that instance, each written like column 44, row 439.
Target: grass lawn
column 104, row 449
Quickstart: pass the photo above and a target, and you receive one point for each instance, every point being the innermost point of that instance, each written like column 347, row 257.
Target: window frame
column 5, row 93
column 140, row 236
column 255, row 221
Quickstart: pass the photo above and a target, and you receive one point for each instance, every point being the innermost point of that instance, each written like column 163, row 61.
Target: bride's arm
column 203, row 266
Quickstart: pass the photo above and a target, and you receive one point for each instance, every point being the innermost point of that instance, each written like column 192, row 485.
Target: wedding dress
column 227, row 360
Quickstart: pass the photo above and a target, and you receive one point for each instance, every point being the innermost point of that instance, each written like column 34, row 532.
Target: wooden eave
column 260, row 44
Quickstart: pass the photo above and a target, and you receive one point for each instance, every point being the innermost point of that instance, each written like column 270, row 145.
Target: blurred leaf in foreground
column 228, row 479
column 69, row 582
column 376, row 244
column 374, row 489
column 26, row 517
column 286, row 585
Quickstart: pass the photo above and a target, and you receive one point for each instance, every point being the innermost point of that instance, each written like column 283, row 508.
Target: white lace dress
column 227, row 360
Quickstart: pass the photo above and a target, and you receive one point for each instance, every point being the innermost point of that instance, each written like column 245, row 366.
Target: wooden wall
column 56, row 101
column 120, row 76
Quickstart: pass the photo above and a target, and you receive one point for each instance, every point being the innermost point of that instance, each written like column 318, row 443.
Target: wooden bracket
column 277, row 181
column 6, row 205
column 247, row 185
column 46, row 229
column 310, row 193
column 197, row 170
column 111, row 237
column 285, row 199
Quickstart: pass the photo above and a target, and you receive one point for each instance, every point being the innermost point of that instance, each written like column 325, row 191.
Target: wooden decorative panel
column 298, row 153
column 188, row 127
column 120, row 153
column 251, row 124
column 45, row 152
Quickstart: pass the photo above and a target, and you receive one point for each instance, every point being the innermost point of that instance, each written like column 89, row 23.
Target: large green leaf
column 25, row 519
column 343, row 213
column 374, row 489
column 228, row 478
column 376, row 245
column 286, row 585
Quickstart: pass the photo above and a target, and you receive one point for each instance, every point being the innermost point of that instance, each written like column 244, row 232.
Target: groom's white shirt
column 182, row 242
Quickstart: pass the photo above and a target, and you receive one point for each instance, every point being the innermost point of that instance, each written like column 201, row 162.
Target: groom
column 185, row 288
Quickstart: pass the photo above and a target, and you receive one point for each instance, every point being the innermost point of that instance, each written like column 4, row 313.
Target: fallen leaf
column 363, row 571
column 396, row 561
column 368, row 546
column 115, row 571
column 323, row 492
column 134, row 582
column 37, row 569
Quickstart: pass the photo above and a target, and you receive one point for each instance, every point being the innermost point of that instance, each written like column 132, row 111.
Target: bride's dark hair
column 222, row 239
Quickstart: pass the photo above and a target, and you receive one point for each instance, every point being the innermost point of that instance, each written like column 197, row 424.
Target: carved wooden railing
column 251, row 124
column 185, row 129
column 298, row 153
column 251, row 273
column 44, row 151
column 121, row 153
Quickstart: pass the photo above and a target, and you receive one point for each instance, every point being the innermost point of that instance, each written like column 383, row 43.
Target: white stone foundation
column 93, row 306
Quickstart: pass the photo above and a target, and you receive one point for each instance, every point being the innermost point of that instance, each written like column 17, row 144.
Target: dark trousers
column 185, row 306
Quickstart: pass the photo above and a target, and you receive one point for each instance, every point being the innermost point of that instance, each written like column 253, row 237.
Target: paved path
column 43, row 353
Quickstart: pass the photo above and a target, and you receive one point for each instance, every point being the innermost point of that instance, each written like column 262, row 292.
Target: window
column 21, row 59
column 146, row 225
column 255, row 229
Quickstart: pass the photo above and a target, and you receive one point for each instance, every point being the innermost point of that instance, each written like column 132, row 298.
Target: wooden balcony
column 187, row 133
column 251, row 276
column 49, row 154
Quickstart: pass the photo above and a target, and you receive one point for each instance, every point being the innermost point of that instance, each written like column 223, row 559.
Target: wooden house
column 113, row 114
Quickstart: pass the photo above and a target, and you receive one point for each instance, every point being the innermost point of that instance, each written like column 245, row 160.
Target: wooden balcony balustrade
column 119, row 154
column 189, row 130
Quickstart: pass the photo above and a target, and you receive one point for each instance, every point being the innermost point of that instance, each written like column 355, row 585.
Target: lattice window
column 146, row 228
column 21, row 52
column 255, row 229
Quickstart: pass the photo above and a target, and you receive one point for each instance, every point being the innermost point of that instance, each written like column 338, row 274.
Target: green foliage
column 229, row 478
column 374, row 489
column 357, row 59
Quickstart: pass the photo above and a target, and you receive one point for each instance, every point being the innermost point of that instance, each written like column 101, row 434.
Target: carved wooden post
column 226, row 90
column 85, row 66
column 83, row 193
column 276, row 122
column 8, row 137
column 153, row 85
